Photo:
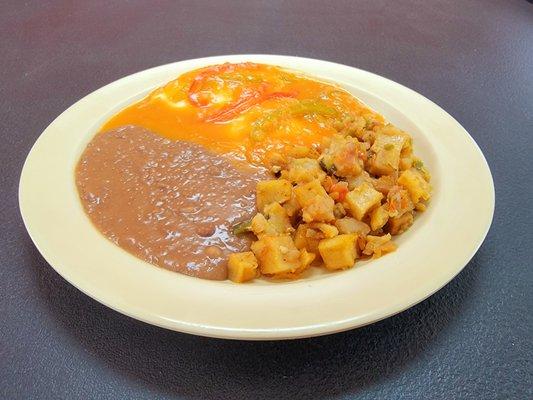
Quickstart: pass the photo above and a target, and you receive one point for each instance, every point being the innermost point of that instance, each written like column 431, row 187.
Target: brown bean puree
column 171, row 203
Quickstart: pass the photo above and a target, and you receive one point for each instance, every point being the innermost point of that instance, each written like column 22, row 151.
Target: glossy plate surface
column 430, row 254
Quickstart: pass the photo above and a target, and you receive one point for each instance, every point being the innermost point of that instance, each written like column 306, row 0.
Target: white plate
column 430, row 254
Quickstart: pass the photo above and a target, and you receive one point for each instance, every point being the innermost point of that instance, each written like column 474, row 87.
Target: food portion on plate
column 245, row 170
column 171, row 203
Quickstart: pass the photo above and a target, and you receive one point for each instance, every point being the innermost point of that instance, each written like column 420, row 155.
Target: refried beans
column 170, row 203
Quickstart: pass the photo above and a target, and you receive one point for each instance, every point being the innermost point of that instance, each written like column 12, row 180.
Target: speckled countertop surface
column 471, row 340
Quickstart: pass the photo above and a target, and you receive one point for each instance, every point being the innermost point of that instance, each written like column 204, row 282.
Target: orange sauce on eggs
column 244, row 110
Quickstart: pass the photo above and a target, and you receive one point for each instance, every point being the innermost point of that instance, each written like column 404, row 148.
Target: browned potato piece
column 418, row 187
column 351, row 225
column 387, row 149
column 378, row 217
column 357, row 181
column 306, row 258
column 307, row 238
column 315, row 202
column 299, row 237
column 242, row 267
column 277, row 254
column 303, row 170
column 292, row 206
column 338, row 252
column 342, row 157
column 327, row 230
column 277, row 190
column 376, row 246
column 261, row 227
column 362, row 199
column 400, row 224
column 277, row 217
column 384, row 183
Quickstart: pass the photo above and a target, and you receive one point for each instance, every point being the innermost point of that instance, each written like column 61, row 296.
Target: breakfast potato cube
column 415, row 184
column 242, row 267
column 376, row 246
column 343, row 156
column 306, row 193
column 277, row 255
column 260, row 226
column 400, row 224
column 299, row 236
column 362, row 199
column 387, row 149
column 303, row 170
column 378, row 218
column 384, row 183
column 292, row 206
column 327, row 230
column 351, row 225
column 306, row 258
column 315, row 202
column 306, row 238
column 338, row 252
column 278, row 219
column 277, row 190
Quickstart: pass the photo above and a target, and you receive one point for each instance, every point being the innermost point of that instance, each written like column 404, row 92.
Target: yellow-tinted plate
column 430, row 254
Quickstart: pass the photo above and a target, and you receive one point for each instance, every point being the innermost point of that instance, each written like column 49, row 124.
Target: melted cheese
column 244, row 110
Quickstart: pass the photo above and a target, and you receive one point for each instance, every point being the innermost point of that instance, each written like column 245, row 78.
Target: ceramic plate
column 430, row 254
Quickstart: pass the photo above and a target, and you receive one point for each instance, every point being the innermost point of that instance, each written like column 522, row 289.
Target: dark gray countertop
column 471, row 340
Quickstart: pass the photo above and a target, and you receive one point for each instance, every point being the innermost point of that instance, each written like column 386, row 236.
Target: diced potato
column 315, row 202
column 378, row 217
column 387, row 149
column 401, row 224
column 351, row 225
column 376, row 246
column 338, row 252
column 306, row 193
column 242, row 267
column 277, row 217
column 398, row 201
column 384, row 183
column 304, row 241
column 313, row 238
column 261, row 227
column 292, row 206
column 328, row 231
column 277, row 190
column 303, row 170
column 306, row 258
column 417, row 186
column 277, row 255
column 299, row 237
column 354, row 182
column 362, row 199
column 339, row 211
column 343, row 156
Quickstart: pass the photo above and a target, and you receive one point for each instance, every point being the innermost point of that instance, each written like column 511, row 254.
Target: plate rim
column 270, row 333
